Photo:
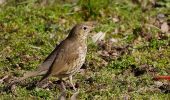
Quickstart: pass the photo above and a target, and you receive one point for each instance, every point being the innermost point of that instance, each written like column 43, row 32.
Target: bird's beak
column 92, row 24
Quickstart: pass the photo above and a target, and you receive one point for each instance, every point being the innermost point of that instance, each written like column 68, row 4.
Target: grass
column 28, row 33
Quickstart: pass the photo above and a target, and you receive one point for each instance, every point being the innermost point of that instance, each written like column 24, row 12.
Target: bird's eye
column 84, row 28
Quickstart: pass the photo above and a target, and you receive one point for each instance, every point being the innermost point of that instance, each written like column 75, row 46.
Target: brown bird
column 67, row 58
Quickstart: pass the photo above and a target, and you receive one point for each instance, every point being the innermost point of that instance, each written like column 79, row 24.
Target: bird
column 67, row 57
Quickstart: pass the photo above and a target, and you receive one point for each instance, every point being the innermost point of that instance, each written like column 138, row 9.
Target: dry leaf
column 77, row 8
column 158, row 83
column 115, row 19
column 113, row 40
column 98, row 37
column 165, row 27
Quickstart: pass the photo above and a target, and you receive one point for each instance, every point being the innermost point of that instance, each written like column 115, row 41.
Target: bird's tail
column 29, row 74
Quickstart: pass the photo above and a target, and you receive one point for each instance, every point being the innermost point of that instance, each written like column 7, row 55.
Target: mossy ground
column 29, row 32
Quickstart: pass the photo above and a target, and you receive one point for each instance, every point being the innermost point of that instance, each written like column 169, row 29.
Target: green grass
column 29, row 32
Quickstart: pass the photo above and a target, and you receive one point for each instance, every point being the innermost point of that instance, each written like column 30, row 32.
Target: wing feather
column 66, row 57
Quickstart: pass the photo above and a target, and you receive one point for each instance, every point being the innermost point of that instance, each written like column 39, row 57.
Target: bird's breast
column 78, row 62
column 81, row 55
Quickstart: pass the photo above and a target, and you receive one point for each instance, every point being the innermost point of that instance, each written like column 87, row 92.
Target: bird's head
column 82, row 30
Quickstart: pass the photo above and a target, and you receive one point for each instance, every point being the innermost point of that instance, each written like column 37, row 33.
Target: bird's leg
column 71, row 81
column 62, row 85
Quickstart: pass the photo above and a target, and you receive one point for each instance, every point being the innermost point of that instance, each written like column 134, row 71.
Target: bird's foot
column 74, row 87
column 75, row 94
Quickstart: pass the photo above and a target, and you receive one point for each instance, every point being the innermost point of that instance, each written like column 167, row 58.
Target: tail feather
column 30, row 74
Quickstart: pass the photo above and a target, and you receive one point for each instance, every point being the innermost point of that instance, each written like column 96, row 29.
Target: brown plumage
column 67, row 58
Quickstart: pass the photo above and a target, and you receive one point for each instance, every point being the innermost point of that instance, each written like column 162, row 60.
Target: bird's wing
column 66, row 56
column 49, row 60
